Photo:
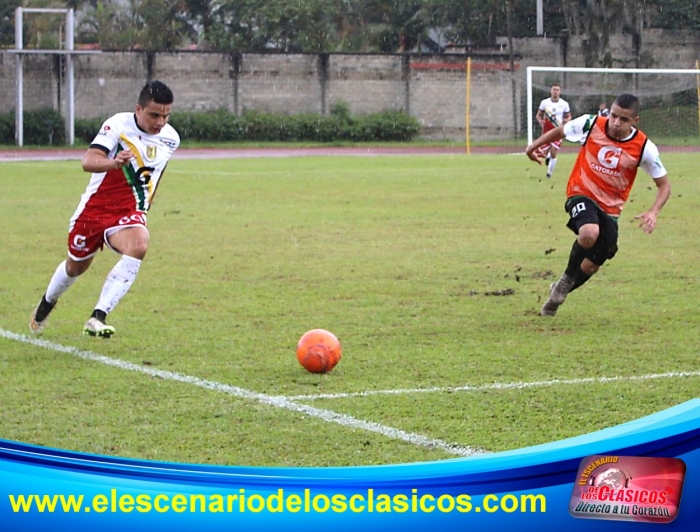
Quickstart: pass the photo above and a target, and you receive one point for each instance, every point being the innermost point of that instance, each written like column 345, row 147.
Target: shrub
column 87, row 128
column 46, row 126
column 388, row 125
column 223, row 126
column 41, row 127
column 216, row 126
column 7, row 128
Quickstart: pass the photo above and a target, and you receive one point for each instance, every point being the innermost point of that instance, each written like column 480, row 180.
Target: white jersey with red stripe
column 132, row 187
column 553, row 113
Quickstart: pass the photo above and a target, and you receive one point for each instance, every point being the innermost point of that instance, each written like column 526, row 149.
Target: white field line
column 499, row 386
column 276, row 401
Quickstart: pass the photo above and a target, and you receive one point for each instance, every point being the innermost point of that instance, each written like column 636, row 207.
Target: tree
column 111, row 24
column 7, row 21
column 597, row 20
column 301, row 25
column 163, row 24
column 146, row 24
column 343, row 25
column 674, row 15
column 201, row 12
column 482, row 21
column 287, row 25
column 406, row 26
column 41, row 31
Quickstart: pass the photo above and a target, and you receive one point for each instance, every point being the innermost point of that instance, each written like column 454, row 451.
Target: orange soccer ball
column 318, row 351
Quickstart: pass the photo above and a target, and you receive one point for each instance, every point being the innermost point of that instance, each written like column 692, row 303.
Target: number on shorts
column 576, row 209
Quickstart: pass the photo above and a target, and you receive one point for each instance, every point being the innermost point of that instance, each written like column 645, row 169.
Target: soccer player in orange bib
column 612, row 150
column 127, row 159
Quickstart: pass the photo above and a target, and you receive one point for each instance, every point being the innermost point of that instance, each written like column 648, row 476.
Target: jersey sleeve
column 577, row 130
column 177, row 140
column 651, row 161
column 107, row 137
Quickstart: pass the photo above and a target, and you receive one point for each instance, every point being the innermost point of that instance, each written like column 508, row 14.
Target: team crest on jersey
column 151, row 152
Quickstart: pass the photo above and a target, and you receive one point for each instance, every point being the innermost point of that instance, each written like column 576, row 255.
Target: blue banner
column 531, row 488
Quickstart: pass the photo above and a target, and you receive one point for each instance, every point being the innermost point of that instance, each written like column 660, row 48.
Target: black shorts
column 583, row 211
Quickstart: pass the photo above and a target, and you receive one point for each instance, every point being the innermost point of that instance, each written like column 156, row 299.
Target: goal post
column 69, row 52
column 670, row 106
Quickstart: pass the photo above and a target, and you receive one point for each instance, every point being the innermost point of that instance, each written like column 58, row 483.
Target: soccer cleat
column 549, row 308
column 557, row 295
column 549, row 175
column 94, row 327
column 40, row 316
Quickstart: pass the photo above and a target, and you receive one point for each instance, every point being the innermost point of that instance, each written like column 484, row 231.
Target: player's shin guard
column 118, row 282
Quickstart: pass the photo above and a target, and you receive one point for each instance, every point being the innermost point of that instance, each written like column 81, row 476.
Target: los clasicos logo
column 628, row 488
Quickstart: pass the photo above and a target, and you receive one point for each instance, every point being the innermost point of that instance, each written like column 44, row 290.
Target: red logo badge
column 628, row 488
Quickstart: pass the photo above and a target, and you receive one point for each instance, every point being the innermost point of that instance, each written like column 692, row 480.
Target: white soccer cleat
column 94, row 327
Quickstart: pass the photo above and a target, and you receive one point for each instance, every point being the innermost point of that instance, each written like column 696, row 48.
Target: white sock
column 552, row 164
column 59, row 283
column 118, row 282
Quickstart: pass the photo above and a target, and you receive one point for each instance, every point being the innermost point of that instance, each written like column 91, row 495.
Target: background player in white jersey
column 127, row 158
column 552, row 113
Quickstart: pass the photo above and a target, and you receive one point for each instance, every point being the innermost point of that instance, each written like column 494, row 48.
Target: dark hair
column 628, row 101
column 155, row 91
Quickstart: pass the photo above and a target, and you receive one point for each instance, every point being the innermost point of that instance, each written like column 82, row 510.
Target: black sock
column 579, row 279
column 576, row 257
column 44, row 309
column 101, row 315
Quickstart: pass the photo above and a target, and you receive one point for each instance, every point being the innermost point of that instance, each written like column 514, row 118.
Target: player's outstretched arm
column 533, row 150
column 663, row 192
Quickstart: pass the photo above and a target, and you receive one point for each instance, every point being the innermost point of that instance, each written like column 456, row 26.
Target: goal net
column 669, row 113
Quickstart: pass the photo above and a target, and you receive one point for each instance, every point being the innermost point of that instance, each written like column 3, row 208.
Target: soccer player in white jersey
column 552, row 113
column 127, row 159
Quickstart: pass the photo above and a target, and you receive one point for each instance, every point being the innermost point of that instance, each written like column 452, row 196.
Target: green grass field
column 405, row 259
